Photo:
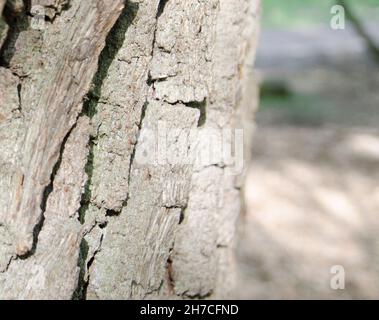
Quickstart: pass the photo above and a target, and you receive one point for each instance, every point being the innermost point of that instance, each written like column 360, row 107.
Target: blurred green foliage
column 301, row 13
column 299, row 109
column 302, row 107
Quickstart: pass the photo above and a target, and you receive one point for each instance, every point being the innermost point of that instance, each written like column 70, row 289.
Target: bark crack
column 143, row 112
column 15, row 16
column 48, row 190
column 80, row 292
column 113, row 44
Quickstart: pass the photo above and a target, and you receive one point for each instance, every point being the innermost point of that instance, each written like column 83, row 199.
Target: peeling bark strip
column 84, row 212
column 56, row 74
column 75, row 41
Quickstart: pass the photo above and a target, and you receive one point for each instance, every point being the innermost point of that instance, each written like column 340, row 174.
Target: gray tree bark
column 90, row 208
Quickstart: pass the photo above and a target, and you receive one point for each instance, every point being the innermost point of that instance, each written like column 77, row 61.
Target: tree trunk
column 98, row 100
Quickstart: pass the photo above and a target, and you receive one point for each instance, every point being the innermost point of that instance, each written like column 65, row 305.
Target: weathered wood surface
column 87, row 207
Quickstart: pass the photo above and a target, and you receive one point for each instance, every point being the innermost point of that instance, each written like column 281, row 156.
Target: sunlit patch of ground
column 312, row 192
column 312, row 198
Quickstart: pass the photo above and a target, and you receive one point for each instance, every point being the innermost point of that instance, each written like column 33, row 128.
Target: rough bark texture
column 89, row 205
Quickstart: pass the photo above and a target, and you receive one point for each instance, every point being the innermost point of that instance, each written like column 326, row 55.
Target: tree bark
column 91, row 207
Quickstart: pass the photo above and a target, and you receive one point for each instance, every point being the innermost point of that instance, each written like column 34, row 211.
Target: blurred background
column 312, row 192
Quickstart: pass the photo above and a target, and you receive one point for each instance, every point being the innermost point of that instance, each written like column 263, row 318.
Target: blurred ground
column 312, row 191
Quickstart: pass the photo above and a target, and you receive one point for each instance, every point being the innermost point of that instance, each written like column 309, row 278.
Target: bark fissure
column 133, row 154
column 19, row 88
column 113, row 44
column 17, row 20
column 80, row 291
column 86, row 196
column 85, row 264
column 202, row 107
column 47, row 192
column 161, row 7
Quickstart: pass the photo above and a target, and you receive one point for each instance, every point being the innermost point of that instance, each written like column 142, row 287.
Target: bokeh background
column 312, row 192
